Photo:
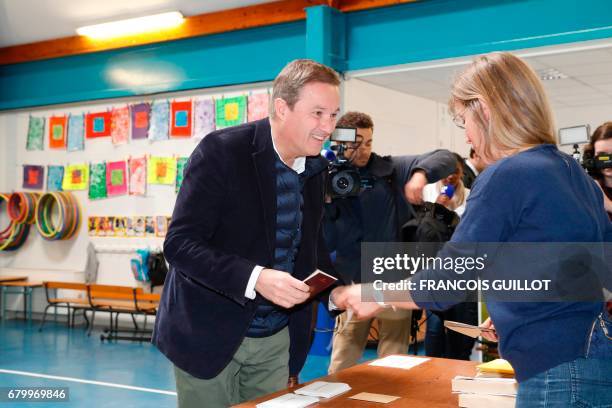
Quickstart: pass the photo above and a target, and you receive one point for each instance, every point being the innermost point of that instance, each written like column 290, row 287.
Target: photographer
column 600, row 145
column 375, row 214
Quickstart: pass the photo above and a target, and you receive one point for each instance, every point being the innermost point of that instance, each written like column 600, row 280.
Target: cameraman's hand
column 443, row 199
column 281, row 288
column 413, row 189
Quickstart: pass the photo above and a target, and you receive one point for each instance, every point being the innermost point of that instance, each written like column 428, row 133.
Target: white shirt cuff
column 331, row 305
column 250, row 289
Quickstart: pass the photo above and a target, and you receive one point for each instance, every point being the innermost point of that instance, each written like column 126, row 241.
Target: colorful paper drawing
column 98, row 124
column 33, row 176
column 230, row 111
column 138, row 175
column 92, row 226
column 149, row 226
column 76, row 177
column 160, row 118
column 181, row 119
column 97, row 181
column 76, row 133
column 181, row 162
column 120, row 125
column 36, row 131
column 107, row 227
column 161, row 170
column 204, row 117
column 57, row 132
column 120, row 226
column 116, row 178
column 161, row 226
column 140, row 120
column 55, row 175
column 139, row 226
column 258, row 106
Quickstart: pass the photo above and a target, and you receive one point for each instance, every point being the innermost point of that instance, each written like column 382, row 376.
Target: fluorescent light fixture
column 132, row 26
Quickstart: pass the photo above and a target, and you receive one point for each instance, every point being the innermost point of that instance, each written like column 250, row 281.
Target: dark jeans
column 440, row 342
column 584, row 382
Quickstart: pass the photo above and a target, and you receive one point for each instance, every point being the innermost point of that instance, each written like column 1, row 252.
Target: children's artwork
column 181, row 119
column 161, row 170
column 181, row 162
column 76, row 133
column 258, row 106
column 138, row 175
column 76, row 177
column 33, row 176
column 120, row 125
column 140, row 120
column 97, row 184
column 98, row 124
column 160, row 117
column 161, row 226
column 204, row 117
column 57, row 132
column 150, row 226
column 116, row 178
column 129, row 226
column 120, row 227
column 230, row 111
column 92, row 226
column 139, row 226
column 55, row 175
column 36, row 130
column 106, row 227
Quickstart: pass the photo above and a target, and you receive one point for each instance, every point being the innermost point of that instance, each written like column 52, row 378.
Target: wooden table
column 426, row 385
column 19, row 287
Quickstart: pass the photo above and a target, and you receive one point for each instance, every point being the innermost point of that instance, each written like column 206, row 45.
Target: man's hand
column 491, row 336
column 349, row 297
column 413, row 190
column 281, row 288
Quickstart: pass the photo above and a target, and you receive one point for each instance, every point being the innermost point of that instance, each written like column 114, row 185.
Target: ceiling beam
column 265, row 14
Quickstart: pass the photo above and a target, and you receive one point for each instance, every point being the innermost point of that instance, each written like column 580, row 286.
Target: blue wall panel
column 217, row 60
column 438, row 29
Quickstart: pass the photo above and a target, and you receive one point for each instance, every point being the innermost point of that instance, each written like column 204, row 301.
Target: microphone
column 448, row 190
column 328, row 154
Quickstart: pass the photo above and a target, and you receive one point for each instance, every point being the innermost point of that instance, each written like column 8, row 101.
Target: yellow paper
column 161, row 170
column 76, row 177
column 231, row 111
column 368, row 396
column 496, row 366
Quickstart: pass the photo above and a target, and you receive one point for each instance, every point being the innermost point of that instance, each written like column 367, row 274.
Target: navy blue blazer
column 223, row 225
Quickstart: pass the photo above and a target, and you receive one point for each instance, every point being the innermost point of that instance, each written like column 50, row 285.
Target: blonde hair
column 294, row 76
column 519, row 112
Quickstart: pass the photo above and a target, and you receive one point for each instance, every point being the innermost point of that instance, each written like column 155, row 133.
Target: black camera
column 598, row 162
column 344, row 179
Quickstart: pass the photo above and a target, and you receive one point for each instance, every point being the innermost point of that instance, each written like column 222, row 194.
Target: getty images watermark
column 515, row 272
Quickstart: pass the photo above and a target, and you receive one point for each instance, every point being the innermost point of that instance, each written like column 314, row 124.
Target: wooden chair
column 114, row 300
column 71, row 304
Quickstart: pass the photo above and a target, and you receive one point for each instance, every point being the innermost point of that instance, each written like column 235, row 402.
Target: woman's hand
column 489, row 335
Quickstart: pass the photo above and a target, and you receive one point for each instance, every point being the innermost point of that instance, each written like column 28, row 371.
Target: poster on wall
column 116, row 178
column 149, row 226
column 181, row 119
column 76, row 177
column 139, row 226
column 204, row 117
column 33, row 177
column 230, row 111
column 160, row 117
column 120, row 125
column 55, row 176
column 140, row 120
column 161, row 170
column 120, row 226
column 76, row 133
column 36, row 130
column 138, row 175
column 181, row 162
column 258, row 106
column 98, row 124
column 161, row 226
column 57, row 132
column 92, row 226
column 97, row 183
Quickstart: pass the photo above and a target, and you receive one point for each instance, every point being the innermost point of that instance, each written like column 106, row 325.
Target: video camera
column 344, row 179
column 593, row 164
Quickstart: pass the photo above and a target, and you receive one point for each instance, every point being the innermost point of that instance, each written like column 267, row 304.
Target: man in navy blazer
column 246, row 230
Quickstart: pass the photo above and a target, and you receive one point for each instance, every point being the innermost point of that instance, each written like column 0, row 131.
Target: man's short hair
column 472, row 152
column 356, row 120
column 290, row 81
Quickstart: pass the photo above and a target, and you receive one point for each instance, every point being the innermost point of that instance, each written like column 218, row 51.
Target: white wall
column 403, row 124
column 582, row 115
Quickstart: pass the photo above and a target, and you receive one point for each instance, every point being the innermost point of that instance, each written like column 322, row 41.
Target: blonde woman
column 529, row 193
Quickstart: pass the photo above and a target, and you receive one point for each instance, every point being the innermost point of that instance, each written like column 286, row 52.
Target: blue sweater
column 539, row 195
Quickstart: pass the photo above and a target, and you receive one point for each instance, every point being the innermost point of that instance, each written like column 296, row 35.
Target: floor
column 104, row 375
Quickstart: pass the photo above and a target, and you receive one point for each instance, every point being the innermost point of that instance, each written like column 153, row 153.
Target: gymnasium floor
column 105, row 375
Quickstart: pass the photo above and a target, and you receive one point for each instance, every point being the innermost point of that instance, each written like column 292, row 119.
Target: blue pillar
column 326, row 36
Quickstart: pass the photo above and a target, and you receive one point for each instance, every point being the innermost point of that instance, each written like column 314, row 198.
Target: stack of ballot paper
column 307, row 395
column 493, row 386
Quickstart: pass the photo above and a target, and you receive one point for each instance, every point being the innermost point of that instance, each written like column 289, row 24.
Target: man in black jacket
column 375, row 215
column 246, row 230
column 473, row 166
